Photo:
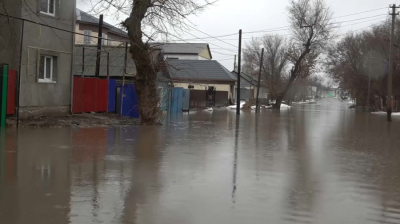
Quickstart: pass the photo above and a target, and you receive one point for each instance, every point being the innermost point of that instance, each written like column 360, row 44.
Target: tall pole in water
column 258, row 83
column 239, row 74
column 391, row 64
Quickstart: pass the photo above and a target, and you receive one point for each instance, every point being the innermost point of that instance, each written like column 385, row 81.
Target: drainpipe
column 73, row 56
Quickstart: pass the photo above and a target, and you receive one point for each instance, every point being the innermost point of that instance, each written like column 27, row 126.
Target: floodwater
column 321, row 163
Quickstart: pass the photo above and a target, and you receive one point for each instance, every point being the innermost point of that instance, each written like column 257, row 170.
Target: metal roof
column 183, row 48
column 198, row 70
column 85, row 17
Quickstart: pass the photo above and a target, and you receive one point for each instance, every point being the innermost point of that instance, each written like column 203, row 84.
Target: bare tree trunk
column 293, row 75
column 146, row 74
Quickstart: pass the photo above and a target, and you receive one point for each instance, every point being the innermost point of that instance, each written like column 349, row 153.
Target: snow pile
column 384, row 113
column 283, row 106
column 306, row 102
column 242, row 103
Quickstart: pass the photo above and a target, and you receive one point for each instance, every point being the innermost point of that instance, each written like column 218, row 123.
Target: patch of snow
column 209, row 109
column 384, row 113
column 242, row 103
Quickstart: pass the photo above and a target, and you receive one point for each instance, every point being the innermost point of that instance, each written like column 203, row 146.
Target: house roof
column 198, row 70
column 84, row 17
column 246, row 80
column 183, row 48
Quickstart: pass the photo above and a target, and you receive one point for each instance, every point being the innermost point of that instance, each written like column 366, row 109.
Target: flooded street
column 320, row 163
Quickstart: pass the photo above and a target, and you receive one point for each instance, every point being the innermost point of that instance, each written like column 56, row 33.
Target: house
column 41, row 54
column 89, row 26
column 209, row 82
column 113, row 50
column 185, row 51
column 248, row 87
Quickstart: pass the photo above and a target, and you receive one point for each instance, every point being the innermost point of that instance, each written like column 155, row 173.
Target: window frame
column 45, row 79
column 104, row 39
column 48, row 8
column 87, row 37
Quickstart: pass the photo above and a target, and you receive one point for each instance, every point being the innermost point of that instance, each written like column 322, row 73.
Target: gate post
column 3, row 96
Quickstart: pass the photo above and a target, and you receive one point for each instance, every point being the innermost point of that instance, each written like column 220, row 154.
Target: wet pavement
column 320, row 163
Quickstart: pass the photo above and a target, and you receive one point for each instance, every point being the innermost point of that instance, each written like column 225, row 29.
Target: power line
column 285, row 28
column 211, row 36
column 226, row 59
column 56, row 28
column 214, row 44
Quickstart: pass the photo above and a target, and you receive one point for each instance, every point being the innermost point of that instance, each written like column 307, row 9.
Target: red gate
column 90, row 94
column 11, row 84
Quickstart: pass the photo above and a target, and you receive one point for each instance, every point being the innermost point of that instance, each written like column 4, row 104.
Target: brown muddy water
column 321, row 163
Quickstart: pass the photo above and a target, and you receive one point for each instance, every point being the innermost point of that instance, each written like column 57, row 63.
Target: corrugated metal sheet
column 101, row 97
column 11, row 84
column 111, row 94
column 89, row 93
column 177, row 94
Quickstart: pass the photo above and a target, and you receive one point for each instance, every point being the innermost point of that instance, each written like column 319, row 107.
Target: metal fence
column 112, row 61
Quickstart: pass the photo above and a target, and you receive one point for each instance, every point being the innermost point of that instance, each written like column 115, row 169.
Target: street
column 312, row 163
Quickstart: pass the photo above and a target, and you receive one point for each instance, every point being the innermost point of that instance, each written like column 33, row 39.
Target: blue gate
column 185, row 99
column 129, row 101
column 177, row 94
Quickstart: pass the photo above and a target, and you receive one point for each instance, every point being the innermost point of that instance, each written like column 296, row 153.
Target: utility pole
column 234, row 65
column 99, row 42
column 239, row 74
column 259, row 80
column 391, row 63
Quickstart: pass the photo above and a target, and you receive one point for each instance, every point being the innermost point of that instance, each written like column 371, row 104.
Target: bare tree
column 311, row 30
column 147, row 19
column 274, row 63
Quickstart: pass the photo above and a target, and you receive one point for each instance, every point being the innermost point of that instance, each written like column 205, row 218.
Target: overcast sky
column 228, row 16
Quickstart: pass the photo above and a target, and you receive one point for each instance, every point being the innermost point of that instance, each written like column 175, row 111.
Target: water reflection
column 319, row 163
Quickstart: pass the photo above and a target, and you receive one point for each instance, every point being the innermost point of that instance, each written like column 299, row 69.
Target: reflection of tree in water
column 145, row 178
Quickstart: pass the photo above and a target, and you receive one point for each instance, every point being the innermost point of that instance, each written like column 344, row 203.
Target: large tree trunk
column 293, row 75
column 146, row 74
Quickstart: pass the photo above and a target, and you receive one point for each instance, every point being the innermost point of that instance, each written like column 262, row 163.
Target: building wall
column 218, row 87
column 10, row 33
column 79, row 39
column 47, row 98
column 205, row 54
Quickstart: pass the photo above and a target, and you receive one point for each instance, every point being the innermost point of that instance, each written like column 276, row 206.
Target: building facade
column 89, row 26
column 41, row 52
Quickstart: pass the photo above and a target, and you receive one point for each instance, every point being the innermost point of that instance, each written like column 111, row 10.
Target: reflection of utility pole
column 239, row 74
column 259, row 80
column 391, row 64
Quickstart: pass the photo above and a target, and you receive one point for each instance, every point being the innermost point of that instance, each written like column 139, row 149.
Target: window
column 48, row 7
column 104, row 41
column 48, row 68
column 87, row 39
